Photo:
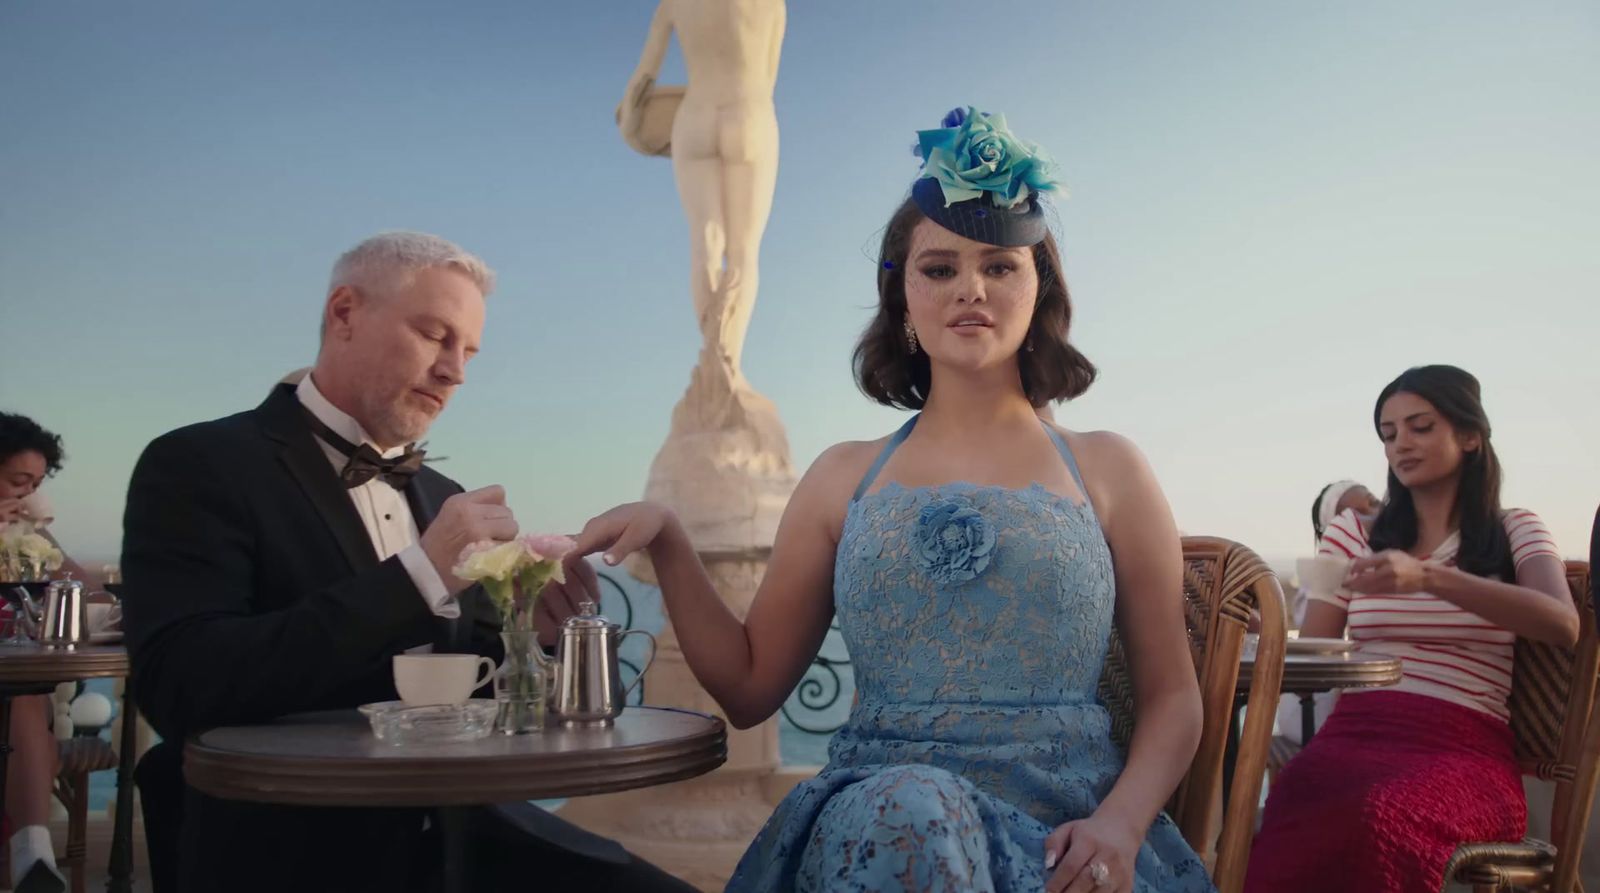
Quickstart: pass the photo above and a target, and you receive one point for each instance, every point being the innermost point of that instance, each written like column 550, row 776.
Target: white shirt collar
column 340, row 422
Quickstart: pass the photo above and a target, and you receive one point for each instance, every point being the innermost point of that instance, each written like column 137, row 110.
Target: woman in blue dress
column 976, row 560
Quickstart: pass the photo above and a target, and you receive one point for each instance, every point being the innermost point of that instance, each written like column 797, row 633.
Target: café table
column 332, row 758
column 1308, row 674
column 29, row 668
column 1304, row 675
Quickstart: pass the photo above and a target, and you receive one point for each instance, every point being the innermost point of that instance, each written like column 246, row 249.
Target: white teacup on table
column 1321, row 576
column 103, row 617
column 428, row 679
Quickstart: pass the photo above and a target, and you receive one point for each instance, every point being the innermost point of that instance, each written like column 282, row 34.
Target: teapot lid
column 587, row 618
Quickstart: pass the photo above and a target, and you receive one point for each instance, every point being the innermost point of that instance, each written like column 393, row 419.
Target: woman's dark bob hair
column 888, row 372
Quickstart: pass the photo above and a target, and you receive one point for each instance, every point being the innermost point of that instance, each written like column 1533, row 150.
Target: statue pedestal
column 725, row 470
column 697, row 829
column 724, row 467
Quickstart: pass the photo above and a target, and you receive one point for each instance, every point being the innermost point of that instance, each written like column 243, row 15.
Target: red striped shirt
column 1445, row 651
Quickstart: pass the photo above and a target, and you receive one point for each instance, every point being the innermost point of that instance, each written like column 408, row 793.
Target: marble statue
column 725, row 466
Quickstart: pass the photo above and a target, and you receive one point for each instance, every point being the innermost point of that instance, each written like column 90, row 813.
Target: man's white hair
column 390, row 259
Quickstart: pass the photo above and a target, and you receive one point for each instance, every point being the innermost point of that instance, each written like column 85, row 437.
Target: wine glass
column 18, row 594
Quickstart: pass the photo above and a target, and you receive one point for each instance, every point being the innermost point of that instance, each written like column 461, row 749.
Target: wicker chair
column 1282, row 750
column 1222, row 583
column 79, row 757
column 1558, row 739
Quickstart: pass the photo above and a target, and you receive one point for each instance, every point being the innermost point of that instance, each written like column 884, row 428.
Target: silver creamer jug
column 64, row 622
column 588, row 684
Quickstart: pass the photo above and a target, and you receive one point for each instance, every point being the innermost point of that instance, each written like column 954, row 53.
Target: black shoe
column 41, row 878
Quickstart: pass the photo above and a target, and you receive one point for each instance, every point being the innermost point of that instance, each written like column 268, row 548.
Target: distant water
column 820, row 703
column 798, row 747
column 829, row 699
column 822, row 700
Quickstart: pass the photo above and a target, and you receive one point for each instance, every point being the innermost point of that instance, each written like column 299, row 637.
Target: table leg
column 453, row 832
column 1230, row 750
column 1308, row 718
column 120, row 874
column 5, row 744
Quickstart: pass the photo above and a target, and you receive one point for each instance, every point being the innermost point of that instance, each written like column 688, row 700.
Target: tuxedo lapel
column 425, row 496
column 282, row 417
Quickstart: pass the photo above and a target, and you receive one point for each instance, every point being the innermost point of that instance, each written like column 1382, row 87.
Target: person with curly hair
column 28, row 455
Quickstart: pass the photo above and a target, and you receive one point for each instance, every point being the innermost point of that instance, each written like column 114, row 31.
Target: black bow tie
column 363, row 462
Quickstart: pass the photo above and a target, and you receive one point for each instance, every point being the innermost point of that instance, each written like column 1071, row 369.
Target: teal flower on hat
column 975, row 153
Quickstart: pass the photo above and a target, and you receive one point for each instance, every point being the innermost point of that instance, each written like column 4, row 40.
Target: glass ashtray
column 395, row 723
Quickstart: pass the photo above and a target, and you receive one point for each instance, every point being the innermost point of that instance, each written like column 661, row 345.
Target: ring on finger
column 1100, row 873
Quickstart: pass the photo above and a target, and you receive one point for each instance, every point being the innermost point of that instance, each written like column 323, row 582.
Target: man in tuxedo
column 275, row 561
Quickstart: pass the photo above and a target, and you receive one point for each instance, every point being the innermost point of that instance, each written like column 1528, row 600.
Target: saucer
column 1318, row 646
column 395, row 723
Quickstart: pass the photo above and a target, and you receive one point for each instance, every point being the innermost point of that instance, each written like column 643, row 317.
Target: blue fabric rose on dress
column 974, row 153
column 953, row 542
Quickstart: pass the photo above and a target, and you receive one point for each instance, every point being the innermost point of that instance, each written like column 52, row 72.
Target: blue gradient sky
column 1275, row 209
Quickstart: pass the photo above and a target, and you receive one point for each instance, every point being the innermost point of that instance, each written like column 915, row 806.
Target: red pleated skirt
column 1382, row 796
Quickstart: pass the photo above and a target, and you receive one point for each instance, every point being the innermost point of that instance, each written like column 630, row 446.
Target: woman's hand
column 624, row 530
column 1092, row 855
column 1390, row 572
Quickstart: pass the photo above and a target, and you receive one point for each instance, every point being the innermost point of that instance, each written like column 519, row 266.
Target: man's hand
column 464, row 519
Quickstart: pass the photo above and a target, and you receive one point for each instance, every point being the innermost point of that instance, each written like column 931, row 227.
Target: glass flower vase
column 521, row 684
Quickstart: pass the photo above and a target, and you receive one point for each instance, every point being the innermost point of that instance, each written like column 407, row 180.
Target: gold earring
column 911, row 338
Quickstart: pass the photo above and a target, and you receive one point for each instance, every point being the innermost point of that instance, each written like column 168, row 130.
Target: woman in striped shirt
column 1445, row 580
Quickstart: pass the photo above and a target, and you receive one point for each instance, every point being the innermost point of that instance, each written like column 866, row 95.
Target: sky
column 1274, row 209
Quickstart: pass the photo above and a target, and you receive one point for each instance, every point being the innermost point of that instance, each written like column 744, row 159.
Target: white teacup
column 1322, row 575
column 425, row 679
column 103, row 616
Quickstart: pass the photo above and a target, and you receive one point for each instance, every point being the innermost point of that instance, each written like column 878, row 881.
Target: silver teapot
column 64, row 620
column 588, row 685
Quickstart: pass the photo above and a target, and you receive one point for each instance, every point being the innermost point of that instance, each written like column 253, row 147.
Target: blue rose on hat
column 975, row 153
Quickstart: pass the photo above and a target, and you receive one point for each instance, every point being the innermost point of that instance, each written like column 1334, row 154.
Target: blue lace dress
column 977, row 619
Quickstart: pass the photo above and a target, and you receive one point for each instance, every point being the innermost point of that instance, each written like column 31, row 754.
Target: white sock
column 30, row 844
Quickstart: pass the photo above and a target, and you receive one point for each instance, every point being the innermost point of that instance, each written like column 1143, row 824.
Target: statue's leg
column 698, row 172
column 750, row 146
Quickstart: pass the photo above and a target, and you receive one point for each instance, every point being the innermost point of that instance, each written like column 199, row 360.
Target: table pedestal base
column 453, row 835
column 697, row 830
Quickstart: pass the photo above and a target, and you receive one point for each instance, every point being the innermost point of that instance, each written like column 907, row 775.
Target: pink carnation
column 545, row 546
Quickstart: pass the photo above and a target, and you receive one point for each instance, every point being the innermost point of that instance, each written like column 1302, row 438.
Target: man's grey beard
column 392, row 428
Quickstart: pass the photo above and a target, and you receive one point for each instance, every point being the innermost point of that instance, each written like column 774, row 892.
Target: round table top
column 1305, row 674
column 34, row 664
column 333, row 759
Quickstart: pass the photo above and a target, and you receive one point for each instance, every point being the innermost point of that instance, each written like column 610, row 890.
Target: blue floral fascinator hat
column 982, row 182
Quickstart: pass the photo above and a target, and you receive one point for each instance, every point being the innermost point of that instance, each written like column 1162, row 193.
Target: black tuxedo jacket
column 1594, row 565
column 252, row 589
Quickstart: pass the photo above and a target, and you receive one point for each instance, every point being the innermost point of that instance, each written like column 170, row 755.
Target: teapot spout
column 542, row 660
column 30, row 604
